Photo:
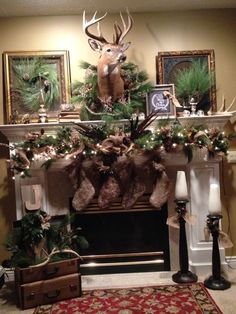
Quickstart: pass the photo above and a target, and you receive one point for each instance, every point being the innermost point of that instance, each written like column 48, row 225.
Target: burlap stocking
column 110, row 190
column 84, row 194
column 161, row 190
column 135, row 190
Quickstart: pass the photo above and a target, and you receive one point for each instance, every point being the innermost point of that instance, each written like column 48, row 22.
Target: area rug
column 173, row 299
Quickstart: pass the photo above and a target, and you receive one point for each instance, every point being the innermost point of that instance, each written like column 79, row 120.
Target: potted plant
column 37, row 235
column 46, row 260
column 194, row 83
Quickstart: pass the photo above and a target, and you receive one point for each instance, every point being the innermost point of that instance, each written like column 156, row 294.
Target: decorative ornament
column 25, row 76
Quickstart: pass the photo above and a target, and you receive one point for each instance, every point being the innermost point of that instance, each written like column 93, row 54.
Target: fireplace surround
column 200, row 172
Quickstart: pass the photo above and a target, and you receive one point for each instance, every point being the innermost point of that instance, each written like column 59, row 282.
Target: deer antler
column 223, row 107
column 94, row 20
column 119, row 34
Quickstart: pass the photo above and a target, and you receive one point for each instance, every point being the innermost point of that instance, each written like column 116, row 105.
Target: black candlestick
column 215, row 281
column 183, row 275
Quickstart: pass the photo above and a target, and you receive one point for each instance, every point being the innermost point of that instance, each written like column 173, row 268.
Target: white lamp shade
column 181, row 189
column 214, row 199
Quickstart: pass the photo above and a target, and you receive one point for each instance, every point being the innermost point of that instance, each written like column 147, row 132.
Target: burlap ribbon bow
column 173, row 221
column 224, row 239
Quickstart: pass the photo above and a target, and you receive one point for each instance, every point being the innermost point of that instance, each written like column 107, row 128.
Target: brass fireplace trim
column 141, row 254
column 90, row 263
column 94, row 264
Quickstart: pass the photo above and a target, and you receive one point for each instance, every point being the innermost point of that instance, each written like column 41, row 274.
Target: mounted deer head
column 110, row 82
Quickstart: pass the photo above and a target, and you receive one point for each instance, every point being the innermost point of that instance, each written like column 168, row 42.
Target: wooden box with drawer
column 48, row 283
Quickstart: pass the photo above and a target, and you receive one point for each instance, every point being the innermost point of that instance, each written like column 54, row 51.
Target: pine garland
column 87, row 141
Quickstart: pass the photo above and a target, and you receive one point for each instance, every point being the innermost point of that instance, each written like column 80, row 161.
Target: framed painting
column 35, row 79
column 160, row 100
column 169, row 63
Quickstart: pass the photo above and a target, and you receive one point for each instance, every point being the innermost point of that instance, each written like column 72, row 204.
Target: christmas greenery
column 88, row 140
column 33, row 79
column 84, row 95
column 194, row 81
column 37, row 233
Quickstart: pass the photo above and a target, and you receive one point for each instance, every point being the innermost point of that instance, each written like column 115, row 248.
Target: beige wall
column 151, row 33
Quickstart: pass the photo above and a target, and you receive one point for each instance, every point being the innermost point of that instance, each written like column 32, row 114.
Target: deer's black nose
column 122, row 59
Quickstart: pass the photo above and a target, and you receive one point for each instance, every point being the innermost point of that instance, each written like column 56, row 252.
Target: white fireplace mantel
column 200, row 172
column 17, row 132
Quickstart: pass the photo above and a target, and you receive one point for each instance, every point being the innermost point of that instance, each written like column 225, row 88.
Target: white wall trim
column 231, row 261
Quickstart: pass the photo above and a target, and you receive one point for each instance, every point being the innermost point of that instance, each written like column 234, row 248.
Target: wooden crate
column 47, row 284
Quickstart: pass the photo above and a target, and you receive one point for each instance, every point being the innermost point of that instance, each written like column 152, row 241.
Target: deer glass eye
column 109, row 50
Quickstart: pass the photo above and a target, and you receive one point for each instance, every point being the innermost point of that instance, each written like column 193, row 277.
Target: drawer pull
column 52, row 294
column 51, row 272
column 73, row 287
column 31, row 296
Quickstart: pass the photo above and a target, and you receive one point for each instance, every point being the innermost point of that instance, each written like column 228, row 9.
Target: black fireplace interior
column 124, row 240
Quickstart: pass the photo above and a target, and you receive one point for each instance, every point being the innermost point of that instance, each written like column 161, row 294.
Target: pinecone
column 168, row 144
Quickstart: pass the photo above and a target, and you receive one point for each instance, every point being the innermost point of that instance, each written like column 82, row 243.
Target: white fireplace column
column 201, row 175
column 201, row 171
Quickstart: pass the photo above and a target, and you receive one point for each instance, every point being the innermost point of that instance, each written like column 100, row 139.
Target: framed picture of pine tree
column 192, row 70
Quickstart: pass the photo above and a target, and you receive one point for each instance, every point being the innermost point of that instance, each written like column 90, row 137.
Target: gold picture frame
column 169, row 62
column 26, row 75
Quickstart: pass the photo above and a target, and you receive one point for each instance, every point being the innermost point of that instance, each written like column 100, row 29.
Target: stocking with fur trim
column 134, row 191
column 84, row 194
column 110, row 190
column 122, row 169
column 161, row 190
column 141, row 177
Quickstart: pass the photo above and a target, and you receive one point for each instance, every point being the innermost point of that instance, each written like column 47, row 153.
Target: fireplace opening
column 134, row 240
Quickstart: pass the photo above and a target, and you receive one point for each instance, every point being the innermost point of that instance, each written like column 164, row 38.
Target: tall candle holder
column 42, row 112
column 215, row 281
column 184, row 275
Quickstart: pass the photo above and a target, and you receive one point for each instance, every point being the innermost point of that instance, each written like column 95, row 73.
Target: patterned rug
column 173, row 299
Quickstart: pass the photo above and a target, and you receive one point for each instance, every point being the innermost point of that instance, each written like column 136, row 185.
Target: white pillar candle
column 214, row 200
column 181, row 190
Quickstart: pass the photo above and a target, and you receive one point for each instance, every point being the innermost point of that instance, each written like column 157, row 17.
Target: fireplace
column 57, row 189
column 125, row 240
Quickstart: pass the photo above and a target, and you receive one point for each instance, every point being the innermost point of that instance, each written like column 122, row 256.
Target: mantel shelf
column 17, row 132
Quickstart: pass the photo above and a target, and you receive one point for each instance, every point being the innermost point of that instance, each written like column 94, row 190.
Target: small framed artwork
column 169, row 63
column 33, row 78
column 160, row 100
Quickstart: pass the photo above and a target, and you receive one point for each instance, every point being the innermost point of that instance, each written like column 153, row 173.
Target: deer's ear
column 95, row 45
column 125, row 46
